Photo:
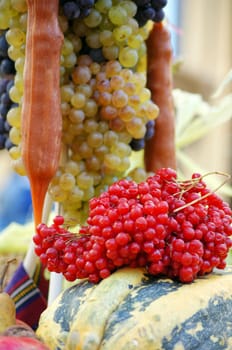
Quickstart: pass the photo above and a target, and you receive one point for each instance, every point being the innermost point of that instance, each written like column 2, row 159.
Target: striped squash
column 131, row 311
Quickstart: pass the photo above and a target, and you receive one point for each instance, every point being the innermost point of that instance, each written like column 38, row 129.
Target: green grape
column 23, row 22
column 67, row 92
column 135, row 41
column 138, row 175
column 57, row 194
column 134, row 25
column 85, row 150
column 128, row 57
column 85, row 89
column 65, row 108
column 136, row 128
column 102, row 85
column 88, row 193
column 104, row 98
column 108, row 112
column 119, row 99
column 90, row 125
column 151, row 110
column 127, row 113
column 78, row 100
column 121, row 149
column 93, row 19
column 76, row 42
column 124, row 136
column 76, row 195
column 18, row 82
column 15, row 135
column 117, row 82
column 19, row 5
column 122, row 33
column 90, row 108
column 102, row 126
column 112, row 68
column 103, row 6
column 124, row 164
column 14, row 117
column 84, row 180
column 106, row 38
column 112, row 161
column 81, row 74
column 101, row 151
column 110, row 52
column 95, row 139
column 110, row 138
column 116, row 124
column 75, row 129
column 94, row 68
column 15, row 152
column 67, row 47
column 93, row 39
column 145, row 94
column 67, row 181
column 4, row 19
column 18, row 166
column 19, row 64
column 15, row 95
column 70, row 60
column 117, row 15
column 72, row 167
column 76, row 116
column 130, row 7
column 93, row 164
column 15, row 53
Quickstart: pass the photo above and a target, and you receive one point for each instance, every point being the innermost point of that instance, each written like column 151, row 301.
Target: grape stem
column 196, row 180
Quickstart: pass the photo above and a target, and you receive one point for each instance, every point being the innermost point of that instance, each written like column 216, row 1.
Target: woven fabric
column 29, row 294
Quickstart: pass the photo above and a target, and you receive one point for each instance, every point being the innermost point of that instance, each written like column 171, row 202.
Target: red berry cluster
column 177, row 229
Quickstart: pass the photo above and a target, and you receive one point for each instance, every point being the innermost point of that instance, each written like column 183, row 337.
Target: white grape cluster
column 104, row 100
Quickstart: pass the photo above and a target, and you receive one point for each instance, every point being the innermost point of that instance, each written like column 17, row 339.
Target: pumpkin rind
column 150, row 314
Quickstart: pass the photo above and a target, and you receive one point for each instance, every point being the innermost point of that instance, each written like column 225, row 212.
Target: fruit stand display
column 85, row 86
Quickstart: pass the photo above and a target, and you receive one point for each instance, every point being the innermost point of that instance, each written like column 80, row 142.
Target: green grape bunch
column 105, row 103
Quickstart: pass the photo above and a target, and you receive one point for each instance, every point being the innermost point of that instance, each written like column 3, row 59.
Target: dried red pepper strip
column 160, row 149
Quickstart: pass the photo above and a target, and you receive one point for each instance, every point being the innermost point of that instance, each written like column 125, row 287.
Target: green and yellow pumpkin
column 133, row 311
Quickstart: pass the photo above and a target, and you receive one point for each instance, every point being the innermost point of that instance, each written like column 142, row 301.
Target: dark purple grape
column 5, row 99
column 5, row 105
column 137, row 144
column 8, row 144
column 71, row 10
column 2, row 128
column 3, row 110
column 149, row 13
column 96, row 55
column 149, row 10
column 3, row 46
column 158, row 4
column 84, row 12
column 9, row 85
column 7, row 67
column 76, row 9
column 3, row 85
column 142, row 3
column 150, row 130
column 159, row 16
column 86, row 3
column 7, row 126
column 2, row 141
